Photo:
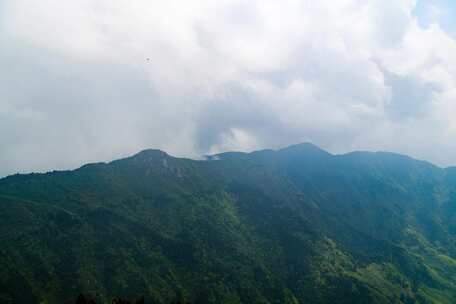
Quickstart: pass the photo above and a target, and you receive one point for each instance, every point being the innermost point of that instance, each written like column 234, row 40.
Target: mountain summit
column 295, row 225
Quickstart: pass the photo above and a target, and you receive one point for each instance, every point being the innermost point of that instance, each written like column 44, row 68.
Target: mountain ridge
column 294, row 225
column 301, row 146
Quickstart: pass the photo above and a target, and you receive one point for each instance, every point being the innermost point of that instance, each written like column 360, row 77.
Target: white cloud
column 94, row 80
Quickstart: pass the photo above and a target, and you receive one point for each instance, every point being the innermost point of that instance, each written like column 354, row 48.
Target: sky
column 95, row 80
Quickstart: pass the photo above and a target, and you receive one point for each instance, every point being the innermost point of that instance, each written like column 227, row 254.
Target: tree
column 81, row 299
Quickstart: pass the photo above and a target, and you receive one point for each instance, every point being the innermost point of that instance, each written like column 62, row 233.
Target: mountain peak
column 150, row 153
column 306, row 147
column 145, row 156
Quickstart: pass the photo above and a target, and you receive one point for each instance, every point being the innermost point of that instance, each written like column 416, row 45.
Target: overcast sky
column 94, row 80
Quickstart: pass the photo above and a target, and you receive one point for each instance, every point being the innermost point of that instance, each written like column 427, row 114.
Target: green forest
column 296, row 225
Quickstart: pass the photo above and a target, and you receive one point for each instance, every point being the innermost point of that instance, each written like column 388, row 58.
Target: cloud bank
column 93, row 80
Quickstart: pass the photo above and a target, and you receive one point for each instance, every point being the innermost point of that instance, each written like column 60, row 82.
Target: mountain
column 296, row 225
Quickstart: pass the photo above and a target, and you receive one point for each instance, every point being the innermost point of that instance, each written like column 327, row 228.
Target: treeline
column 87, row 300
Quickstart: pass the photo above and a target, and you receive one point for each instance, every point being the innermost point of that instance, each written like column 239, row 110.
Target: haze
column 84, row 81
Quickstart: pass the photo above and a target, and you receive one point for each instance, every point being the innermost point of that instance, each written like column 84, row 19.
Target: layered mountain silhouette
column 296, row 225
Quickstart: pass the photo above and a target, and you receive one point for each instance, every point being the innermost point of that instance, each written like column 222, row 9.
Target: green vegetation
column 298, row 225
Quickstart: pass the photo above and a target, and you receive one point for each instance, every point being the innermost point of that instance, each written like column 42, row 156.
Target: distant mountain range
column 296, row 225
